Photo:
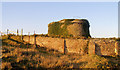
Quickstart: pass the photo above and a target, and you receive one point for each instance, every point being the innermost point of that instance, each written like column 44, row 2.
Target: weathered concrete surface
column 52, row 43
column 104, row 46
column 26, row 39
column 76, row 30
column 48, row 42
column 91, row 47
column 79, row 28
column 77, row 46
column 117, row 48
column 81, row 46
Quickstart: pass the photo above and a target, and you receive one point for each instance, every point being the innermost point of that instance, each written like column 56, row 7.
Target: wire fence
column 10, row 33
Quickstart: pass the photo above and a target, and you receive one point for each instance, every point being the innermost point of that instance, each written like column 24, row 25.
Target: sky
column 59, row 0
column 119, row 19
column 102, row 16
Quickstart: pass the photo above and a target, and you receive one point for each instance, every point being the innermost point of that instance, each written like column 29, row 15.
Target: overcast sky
column 103, row 16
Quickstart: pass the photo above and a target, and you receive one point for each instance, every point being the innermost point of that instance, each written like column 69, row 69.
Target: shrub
column 55, row 29
column 117, row 39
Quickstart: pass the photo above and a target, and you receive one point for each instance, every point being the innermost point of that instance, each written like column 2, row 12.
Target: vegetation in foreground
column 17, row 54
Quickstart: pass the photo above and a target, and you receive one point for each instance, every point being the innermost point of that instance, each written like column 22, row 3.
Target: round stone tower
column 68, row 27
column 80, row 27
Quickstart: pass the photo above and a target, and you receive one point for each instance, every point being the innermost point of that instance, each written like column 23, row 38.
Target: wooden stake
column 65, row 48
column 7, row 31
column 34, row 39
column 21, row 34
column 17, row 32
column 29, row 37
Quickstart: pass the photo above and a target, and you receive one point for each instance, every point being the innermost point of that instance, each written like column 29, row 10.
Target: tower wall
column 76, row 28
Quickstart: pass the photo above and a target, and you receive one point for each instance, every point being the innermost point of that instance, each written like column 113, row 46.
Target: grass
column 16, row 57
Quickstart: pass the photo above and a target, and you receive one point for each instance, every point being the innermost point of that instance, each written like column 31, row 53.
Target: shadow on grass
column 22, row 45
column 109, row 65
column 26, row 63
column 111, row 62
column 28, row 53
column 45, row 50
column 6, row 50
column 111, row 57
column 75, row 65
column 9, row 59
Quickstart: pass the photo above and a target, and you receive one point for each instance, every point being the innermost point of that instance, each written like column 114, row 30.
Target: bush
column 55, row 29
column 117, row 39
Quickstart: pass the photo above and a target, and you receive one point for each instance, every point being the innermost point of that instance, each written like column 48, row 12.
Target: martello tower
column 70, row 27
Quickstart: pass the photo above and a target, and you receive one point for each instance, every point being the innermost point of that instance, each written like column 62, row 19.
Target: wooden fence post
column 65, row 48
column 7, row 31
column 1, row 33
column 29, row 37
column 8, row 34
column 117, row 47
column 28, row 40
column 21, row 34
column 34, row 39
column 17, row 32
column 91, row 48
